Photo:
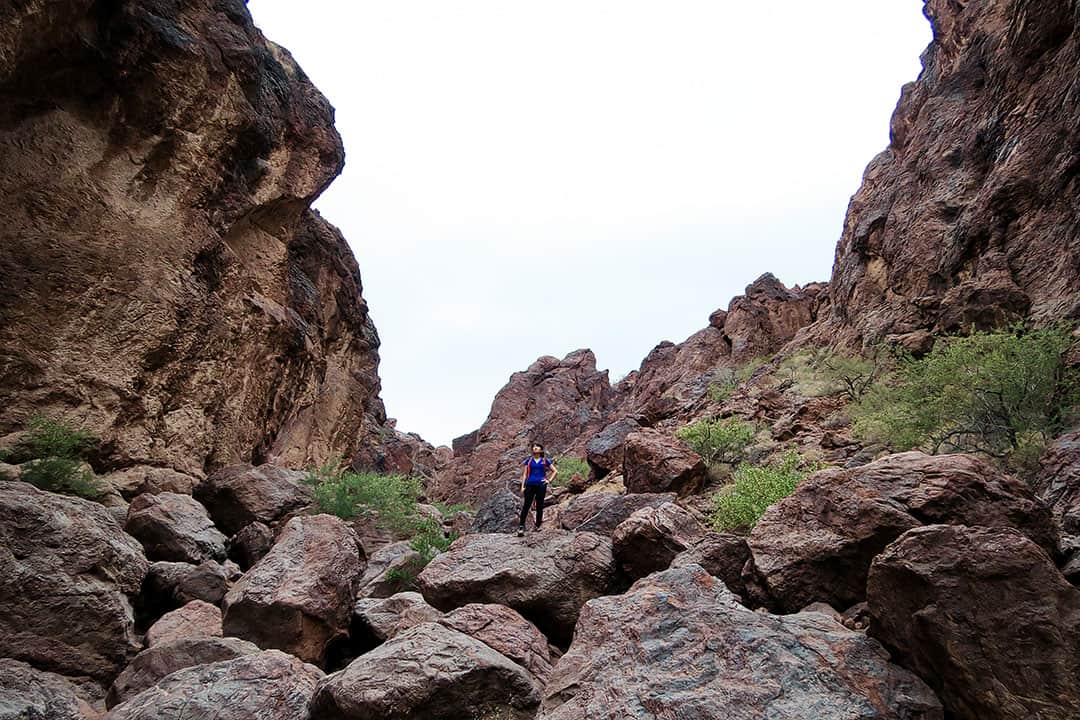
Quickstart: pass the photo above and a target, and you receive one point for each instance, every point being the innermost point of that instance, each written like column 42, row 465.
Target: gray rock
column 505, row 631
column 376, row 620
column 389, row 570
column 174, row 527
column 238, row 495
column 601, row 512
column 722, row 555
column 650, row 539
column 499, row 514
column 30, row 694
column 196, row 619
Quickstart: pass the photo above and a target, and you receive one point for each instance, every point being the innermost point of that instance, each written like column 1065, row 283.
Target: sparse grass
column 448, row 510
column 740, row 505
column 568, row 465
column 745, row 371
column 725, row 380
column 718, row 441
column 56, row 449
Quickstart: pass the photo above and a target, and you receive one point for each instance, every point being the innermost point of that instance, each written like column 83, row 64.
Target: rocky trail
column 165, row 285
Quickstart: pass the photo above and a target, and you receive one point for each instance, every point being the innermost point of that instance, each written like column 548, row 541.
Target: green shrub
column 568, row 465
column 718, row 441
column 56, row 450
column 344, row 493
column 49, row 437
column 723, row 385
column 448, row 510
column 1002, row 394
column 739, row 505
column 746, row 370
column 430, row 540
column 61, row 475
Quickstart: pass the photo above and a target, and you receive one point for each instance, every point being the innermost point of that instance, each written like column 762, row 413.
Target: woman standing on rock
column 534, row 480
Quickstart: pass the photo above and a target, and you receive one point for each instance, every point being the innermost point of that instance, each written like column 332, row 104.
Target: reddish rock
column 154, row 663
column 651, row 538
column 601, row 512
column 721, row 555
column 171, row 212
column 388, row 570
column 657, row 462
column 139, row 479
column 170, row 585
column 194, row 620
column 267, row 685
column 68, row 574
column 31, row 694
column 817, row 544
column 238, row 495
column 766, row 317
column 174, row 527
column 545, row 576
column 398, row 453
column 604, row 451
column 250, row 544
column 376, row 620
column 678, row 645
column 968, row 217
column 300, row 596
column 462, row 678
column 984, row 616
column 505, row 631
column 1058, row 481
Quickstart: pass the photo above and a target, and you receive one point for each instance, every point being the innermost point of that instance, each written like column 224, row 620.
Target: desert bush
column 56, row 450
column 568, row 465
column 718, row 441
column 815, row 372
column 345, row 493
column 1003, row 394
column 738, row 506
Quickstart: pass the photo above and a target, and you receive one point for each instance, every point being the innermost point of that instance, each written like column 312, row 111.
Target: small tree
column 718, row 441
column 740, row 505
column 57, row 450
column 853, row 375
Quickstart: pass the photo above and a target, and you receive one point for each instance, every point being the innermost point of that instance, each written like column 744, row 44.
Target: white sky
column 528, row 178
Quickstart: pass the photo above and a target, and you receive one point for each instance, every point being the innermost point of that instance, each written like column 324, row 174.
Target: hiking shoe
column 536, row 528
column 521, row 530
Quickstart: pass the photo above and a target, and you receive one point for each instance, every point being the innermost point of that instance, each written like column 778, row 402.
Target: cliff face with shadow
column 163, row 280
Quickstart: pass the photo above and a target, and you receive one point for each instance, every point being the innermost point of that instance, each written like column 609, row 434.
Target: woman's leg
column 541, row 491
column 529, row 491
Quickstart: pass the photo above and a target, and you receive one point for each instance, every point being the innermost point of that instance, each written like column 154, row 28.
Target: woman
column 534, row 480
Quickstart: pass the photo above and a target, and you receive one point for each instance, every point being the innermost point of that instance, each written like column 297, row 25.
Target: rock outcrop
column 817, row 544
column 300, row 596
column 652, row 537
column 969, row 216
column 1058, row 481
column 984, row 617
column 174, row 527
column 546, row 576
column 505, row 631
column 68, row 574
column 656, row 462
column 238, row 495
column 677, row 644
column 721, row 555
column 159, row 165
column 376, row 620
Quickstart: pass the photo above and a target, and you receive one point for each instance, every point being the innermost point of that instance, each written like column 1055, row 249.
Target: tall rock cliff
column 971, row 216
column 163, row 280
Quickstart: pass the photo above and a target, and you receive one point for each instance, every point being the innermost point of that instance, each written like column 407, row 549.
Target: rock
column 139, row 479
column 817, row 544
column 388, row 571
column 984, row 616
column 545, row 576
column 197, row 619
column 651, row 538
column 679, row 645
column 174, row 527
column 556, row 402
column 161, row 659
column 1058, row 481
column 721, row 555
column 498, row 514
column 268, row 685
column 766, row 317
column 170, row 585
column 173, row 213
column 604, row 451
column 461, row 678
column 30, row 694
column 982, row 146
column 398, row 453
column 656, row 463
column 300, row 596
column 250, row 544
column 238, row 495
column 505, row 631
column 601, row 512
column 67, row 577
column 376, row 620
column 577, row 483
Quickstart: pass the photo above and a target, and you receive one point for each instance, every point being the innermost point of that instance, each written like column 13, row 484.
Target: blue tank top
column 537, row 470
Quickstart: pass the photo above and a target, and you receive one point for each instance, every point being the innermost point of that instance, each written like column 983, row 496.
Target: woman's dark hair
column 539, row 445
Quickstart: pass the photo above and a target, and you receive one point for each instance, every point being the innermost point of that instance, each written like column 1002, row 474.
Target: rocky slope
column 163, row 281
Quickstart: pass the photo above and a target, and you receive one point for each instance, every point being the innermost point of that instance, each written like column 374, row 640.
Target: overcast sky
column 528, row 178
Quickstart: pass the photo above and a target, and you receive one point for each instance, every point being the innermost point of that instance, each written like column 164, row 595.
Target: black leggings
column 534, row 491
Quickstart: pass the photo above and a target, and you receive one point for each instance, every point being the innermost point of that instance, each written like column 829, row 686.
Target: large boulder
column 300, row 596
column 267, row 685
column 251, row 544
column 376, row 620
column 30, row 694
column 499, row 513
column 171, row 585
column 1058, row 481
column 461, row 678
column 984, row 616
column 601, row 512
column 67, row 577
column 196, row 619
column 721, row 555
column 651, row 538
column 390, row 569
column 157, row 661
column 237, row 495
column 679, row 645
column 174, row 527
column 545, row 576
column 817, row 544
column 604, row 451
column 505, row 631
column 656, row 462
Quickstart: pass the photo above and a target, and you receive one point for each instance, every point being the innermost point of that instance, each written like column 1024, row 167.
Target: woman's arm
column 524, row 475
column 554, row 471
